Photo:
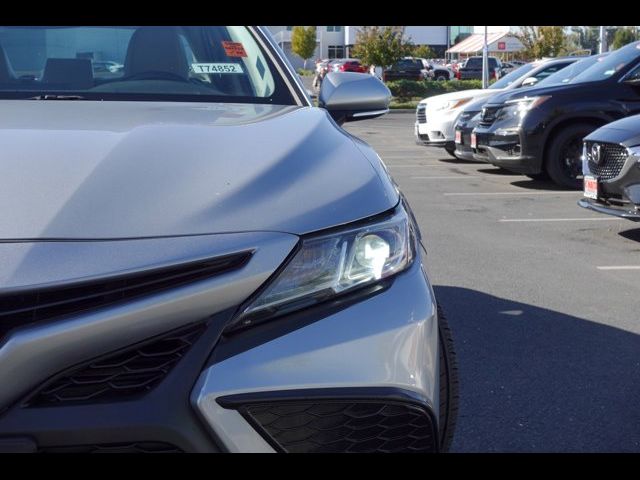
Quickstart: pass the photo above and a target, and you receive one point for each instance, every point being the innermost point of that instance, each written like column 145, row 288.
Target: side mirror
column 349, row 96
column 528, row 82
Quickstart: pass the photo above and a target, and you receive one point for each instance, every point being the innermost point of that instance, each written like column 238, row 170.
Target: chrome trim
column 40, row 351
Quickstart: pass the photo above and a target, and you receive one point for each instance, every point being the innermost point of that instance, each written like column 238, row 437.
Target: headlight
column 635, row 151
column 520, row 106
column 453, row 104
column 332, row 264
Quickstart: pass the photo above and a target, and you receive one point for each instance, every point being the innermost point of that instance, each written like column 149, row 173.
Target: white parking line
column 584, row 219
column 486, row 194
column 620, row 267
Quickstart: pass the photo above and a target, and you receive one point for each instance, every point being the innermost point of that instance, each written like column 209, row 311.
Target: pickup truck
column 471, row 69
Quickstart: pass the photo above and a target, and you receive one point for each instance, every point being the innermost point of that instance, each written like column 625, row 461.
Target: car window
column 633, row 75
column 511, row 77
column 610, row 65
column 545, row 72
column 216, row 63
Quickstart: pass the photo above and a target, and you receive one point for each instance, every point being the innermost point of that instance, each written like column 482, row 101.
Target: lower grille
column 118, row 376
column 137, row 447
column 612, row 160
column 421, row 113
column 354, row 426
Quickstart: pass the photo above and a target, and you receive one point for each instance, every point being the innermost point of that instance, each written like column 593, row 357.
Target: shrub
column 406, row 89
column 305, row 73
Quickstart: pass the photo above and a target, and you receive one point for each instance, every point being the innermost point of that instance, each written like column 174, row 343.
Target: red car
column 351, row 66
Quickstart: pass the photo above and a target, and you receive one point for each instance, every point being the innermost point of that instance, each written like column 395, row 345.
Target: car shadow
column 458, row 160
column 631, row 234
column 537, row 380
column 532, row 184
column 498, row 171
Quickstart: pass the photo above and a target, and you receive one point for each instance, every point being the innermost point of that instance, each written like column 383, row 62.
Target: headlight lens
column 335, row 263
column 520, row 106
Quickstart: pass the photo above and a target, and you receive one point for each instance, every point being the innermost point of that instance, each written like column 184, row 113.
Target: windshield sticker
column 234, row 49
column 216, row 68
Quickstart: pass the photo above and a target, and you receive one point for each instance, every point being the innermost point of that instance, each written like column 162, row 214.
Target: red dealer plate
column 458, row 136
column 591, row 187
column 473, row 141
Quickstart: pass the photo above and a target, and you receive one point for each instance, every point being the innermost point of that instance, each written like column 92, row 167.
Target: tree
column 423, row 51
column 303, row 42
column 624, row 36
column 547, row 41
column 381, row 46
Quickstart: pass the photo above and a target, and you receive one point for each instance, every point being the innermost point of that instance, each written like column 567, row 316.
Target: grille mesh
column 421, row 113
column 38, row 305
column 120, row 376
column 136, row 447
column 613, row 158
column 345, row 426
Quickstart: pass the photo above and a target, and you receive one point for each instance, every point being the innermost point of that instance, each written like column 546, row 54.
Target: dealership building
column 335, row 41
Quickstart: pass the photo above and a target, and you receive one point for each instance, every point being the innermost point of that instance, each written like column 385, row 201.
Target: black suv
column 540, row 130
column 471, row 69
column 611, row 174
column 405, row 69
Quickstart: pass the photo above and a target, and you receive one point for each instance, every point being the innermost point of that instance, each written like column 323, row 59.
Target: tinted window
column 569, row 72
column 610, row 65
column 512, row 76
column 546, row 72
column 156, row 63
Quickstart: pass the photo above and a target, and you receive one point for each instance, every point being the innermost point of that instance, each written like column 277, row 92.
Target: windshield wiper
column 57, row 97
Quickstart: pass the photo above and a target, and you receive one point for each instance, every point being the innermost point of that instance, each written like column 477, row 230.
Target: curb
column 402, row 110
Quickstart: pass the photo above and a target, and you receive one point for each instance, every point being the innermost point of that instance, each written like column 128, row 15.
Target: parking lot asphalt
column 542, row 297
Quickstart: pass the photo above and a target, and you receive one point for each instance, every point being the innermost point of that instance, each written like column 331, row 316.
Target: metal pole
column 485, row 61
column 603, row 41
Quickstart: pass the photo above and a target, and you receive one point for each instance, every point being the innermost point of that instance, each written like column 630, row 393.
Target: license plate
column 458, row 136
column 474, row 141
column 591, row 187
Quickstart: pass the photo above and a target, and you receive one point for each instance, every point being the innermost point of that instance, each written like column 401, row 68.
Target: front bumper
column 506, row 149
column 600, row 207
column 438, row 130
column 383, row 349
column 463, row 149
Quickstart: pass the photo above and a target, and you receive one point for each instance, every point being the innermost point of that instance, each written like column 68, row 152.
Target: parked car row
column 579, row 126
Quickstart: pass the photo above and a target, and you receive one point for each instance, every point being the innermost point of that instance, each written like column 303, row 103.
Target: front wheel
column 563, row 162
column 448, row 383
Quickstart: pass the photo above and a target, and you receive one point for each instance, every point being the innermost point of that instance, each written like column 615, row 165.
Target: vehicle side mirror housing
column 349, row 96
column 528, row 82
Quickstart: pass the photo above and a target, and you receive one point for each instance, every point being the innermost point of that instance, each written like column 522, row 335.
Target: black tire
column 563, row 156
column 448, row 383
column 441, row 77
column 451, row 151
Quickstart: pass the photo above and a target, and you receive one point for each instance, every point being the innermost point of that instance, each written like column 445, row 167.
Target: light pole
column 603, row 41
column 485, row 61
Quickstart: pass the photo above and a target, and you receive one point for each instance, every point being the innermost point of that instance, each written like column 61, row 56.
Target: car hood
column 534, row 91
column 625, row 131
column 435, row 102
column 105, row 170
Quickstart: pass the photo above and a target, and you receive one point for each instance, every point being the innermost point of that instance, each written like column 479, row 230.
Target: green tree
column 546, row 41
column 423, row 51
column 624, row 36
column 303, row 42
column 381, row 46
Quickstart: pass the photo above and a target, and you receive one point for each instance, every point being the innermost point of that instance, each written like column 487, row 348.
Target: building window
column 336, row 51
column 334, row 28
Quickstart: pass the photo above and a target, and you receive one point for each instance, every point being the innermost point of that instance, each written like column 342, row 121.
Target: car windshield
column 217, row 63
column 512, row 76
column 566, row 74
column 610, row 65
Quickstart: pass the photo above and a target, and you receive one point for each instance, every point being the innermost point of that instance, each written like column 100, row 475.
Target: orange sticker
column 234, row 49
